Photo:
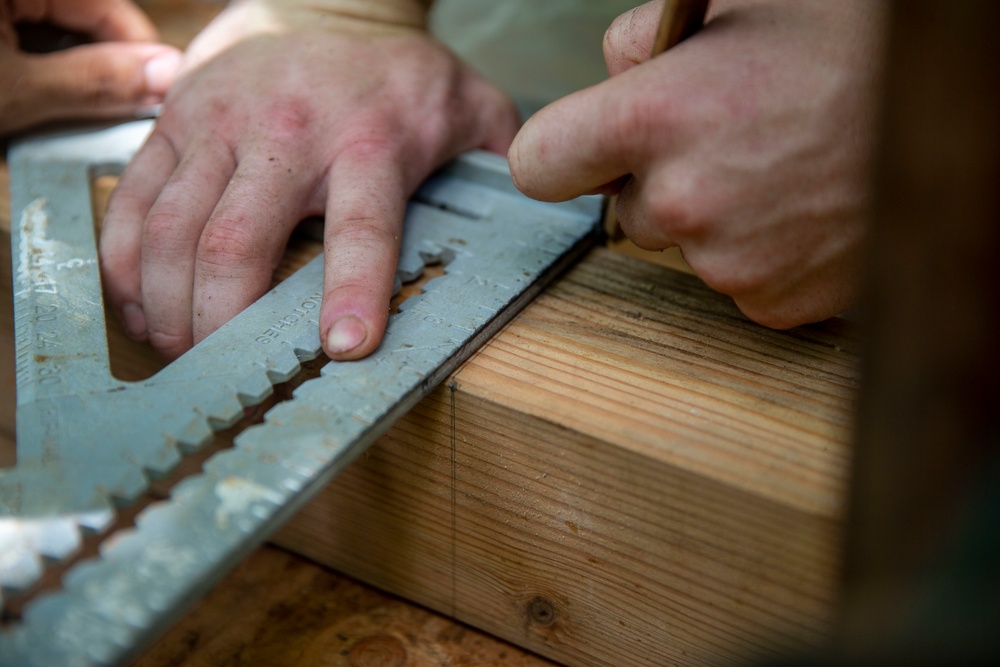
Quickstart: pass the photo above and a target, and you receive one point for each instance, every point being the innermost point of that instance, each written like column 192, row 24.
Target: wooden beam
column 279, row 609
column 631, row 474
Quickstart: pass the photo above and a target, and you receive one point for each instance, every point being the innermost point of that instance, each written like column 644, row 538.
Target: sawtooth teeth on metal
column 110, row 606
column 119, row 467
column 411, row 266
column 253, row 389
column 145, row 577
column 224, row 411
column 27, row 543
column 192, row 435
column 282, row 366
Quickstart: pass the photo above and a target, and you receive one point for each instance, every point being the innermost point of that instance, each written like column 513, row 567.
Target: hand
column 275, row 119
column 120, row 74
column 747, row 145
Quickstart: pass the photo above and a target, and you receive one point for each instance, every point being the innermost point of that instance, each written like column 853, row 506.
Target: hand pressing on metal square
column 747, row 145
column 63, row 59
column 285, row 110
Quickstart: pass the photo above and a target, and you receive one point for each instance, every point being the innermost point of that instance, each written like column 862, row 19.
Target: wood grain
column 279, row 609
column 631, row 473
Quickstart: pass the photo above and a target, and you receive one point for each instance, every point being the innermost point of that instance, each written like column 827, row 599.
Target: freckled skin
column 746, row 145
column 265, row 129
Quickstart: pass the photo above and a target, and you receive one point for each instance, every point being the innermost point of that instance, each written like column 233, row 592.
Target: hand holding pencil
column 746, row 145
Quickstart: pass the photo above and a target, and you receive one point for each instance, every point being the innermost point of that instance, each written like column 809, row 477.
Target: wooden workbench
column 631, row 473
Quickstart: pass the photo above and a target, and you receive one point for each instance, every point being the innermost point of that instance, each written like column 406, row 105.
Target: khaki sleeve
column 390, row 13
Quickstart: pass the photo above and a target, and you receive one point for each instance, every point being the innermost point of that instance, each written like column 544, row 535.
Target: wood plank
column 279, row 609
column 631, row 473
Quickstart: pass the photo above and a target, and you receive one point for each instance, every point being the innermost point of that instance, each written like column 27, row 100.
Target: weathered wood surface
column 631, row 474
column 278, row 609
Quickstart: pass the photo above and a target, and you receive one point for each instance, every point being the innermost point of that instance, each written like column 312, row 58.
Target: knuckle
column 637, row 125
column 371, row 141
column 227, row 244
column 178, row 122
column 778, row 305
column 372, row 134
column 9, row 112
column 773, row 316
column 162, row 234
column 680, row 206
column 740, row 285
column 170, row 344
column 288, row 117
column 23, row 104
column 637, row 228
column 347, row 291
column 363, row 232
column 729, row 275
column 104, row 90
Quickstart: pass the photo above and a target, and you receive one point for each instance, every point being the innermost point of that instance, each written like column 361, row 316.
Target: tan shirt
column 536, row 50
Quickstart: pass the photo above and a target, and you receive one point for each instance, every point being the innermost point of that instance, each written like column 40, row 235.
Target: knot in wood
column 541, row 611
column 378, row 651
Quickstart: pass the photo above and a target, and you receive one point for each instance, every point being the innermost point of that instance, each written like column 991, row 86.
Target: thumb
column 91, row 81
column 629, row 40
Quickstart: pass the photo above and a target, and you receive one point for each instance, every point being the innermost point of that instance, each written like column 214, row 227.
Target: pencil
column 679, row 20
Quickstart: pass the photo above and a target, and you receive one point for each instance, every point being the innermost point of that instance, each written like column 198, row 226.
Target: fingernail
column 160, row 72
column 134, row 320
column 346, row 334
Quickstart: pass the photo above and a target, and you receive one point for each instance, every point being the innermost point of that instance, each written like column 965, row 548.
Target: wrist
column 247, row 19
column 360, row 16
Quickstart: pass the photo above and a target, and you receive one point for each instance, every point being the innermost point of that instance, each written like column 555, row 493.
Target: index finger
column 364, row 221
